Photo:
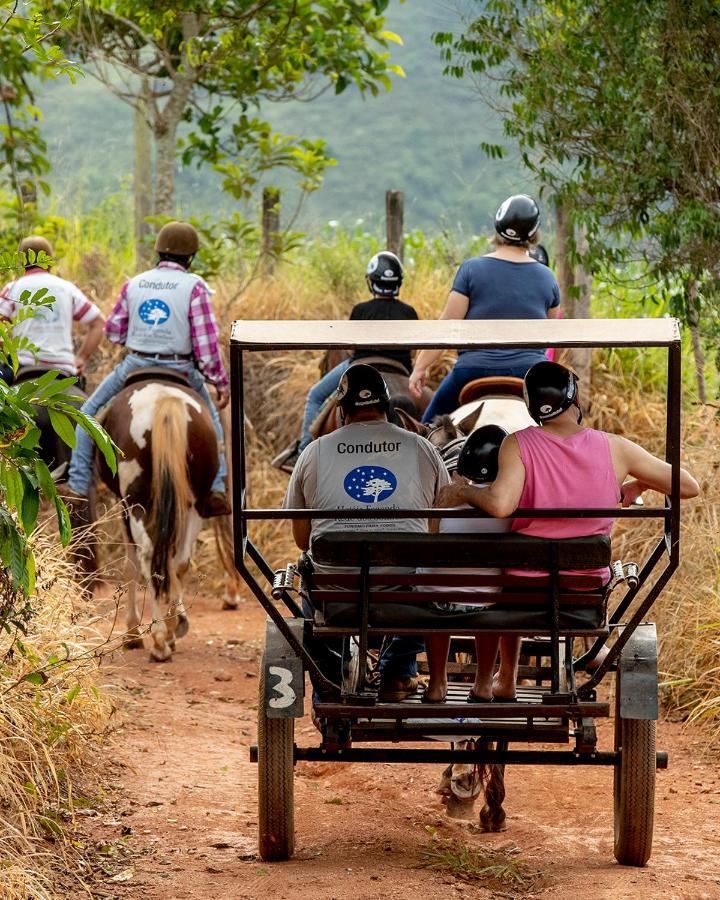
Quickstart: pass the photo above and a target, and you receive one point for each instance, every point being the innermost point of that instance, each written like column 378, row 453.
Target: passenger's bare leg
column 437, row 647
column 504, row 683
column 486, row 649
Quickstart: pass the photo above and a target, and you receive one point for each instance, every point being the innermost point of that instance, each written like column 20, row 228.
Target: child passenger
column 478, row 462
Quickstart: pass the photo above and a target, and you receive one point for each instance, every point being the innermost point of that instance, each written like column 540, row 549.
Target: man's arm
column 301, row 533
column 91, row 341
column 647, row 472
column 116, row 327
column 204, row 337
column 295, row 498
column 503, row 496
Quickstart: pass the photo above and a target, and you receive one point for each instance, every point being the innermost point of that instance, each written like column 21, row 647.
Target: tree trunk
column 165, row 145
column 565, row 275
column 693, row 314
column 581, row 357
column 270, row 229
column 142, row 179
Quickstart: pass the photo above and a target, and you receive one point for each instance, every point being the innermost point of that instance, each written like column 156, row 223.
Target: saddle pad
column 157, row 373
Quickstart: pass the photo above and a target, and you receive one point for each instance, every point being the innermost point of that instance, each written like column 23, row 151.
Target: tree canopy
column 616, row 109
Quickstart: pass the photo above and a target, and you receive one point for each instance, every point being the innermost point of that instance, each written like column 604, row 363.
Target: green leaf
column 391, row 36
column 30, row 504
column 38, row 678
column 62, row 426
column 47, row 485
column 63, row 517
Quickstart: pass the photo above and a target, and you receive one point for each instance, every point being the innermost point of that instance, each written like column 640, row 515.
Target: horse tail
column 171, row 492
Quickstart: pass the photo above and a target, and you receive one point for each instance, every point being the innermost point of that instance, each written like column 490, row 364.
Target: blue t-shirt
column 500, row 289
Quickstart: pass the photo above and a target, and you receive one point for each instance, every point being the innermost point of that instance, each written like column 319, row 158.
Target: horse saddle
column 492, row 386
column 27, row 373
column 157, row 373
column 383, row 364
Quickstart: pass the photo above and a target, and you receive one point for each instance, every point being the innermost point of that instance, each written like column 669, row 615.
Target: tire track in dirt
column 182, row 785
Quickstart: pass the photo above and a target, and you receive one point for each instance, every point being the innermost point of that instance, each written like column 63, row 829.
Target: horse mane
column 446, row 423
column 171, row 492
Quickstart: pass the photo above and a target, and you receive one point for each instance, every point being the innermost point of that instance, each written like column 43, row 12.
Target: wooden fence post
column 394, row 216
column 270, row 228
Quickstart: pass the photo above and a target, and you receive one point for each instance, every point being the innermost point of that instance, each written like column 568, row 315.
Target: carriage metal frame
column 557, row 706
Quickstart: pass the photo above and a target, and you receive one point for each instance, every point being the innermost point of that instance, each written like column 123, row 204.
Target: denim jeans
column 80, row 471
column 318, row 394
column 399, row 658
column 446, row 399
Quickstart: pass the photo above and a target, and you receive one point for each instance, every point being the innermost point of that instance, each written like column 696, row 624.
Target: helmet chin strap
column 579, row 419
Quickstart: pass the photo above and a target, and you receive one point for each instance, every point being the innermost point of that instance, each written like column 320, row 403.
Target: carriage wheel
column 276, row 826
column 634, row 790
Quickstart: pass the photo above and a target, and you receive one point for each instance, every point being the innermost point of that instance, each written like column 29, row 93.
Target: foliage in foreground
column 52, row 720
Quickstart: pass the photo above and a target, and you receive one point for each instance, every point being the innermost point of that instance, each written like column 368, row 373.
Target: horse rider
column 384, row 276
column 562, row 464
column 50, row 329
column 505, row 284
column 368, row 460
column 164, row 317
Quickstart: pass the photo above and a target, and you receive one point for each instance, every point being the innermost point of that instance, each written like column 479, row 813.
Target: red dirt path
column 183, row 787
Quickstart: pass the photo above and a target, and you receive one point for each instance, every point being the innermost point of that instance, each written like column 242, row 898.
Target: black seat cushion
column 497, row 616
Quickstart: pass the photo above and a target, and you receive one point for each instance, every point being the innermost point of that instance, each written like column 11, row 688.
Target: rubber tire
column 276, row 814
column 634, row 790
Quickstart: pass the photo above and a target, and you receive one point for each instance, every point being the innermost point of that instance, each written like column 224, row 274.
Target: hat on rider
column 478, row 458
column 517, row 219
column 177, row 239
column 361, row 387
column 549, row 389
column 384, row 274
column 35, row 245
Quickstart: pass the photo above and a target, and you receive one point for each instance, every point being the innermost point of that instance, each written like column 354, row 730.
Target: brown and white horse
column 170, row 457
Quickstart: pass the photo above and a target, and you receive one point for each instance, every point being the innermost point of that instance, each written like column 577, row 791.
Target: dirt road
column 180, row 821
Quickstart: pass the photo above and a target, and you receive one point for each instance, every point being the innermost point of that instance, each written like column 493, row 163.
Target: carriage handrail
column 454, row 512
column 258, row 335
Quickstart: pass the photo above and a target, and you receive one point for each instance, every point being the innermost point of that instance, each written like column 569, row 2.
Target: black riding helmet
column 384, row 274
column 362, row 386
column 549, row 389
column 539, row 254
column 478, row 458
column 517, row 219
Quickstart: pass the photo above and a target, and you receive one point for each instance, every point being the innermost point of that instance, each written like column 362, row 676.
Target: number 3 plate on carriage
column 563, row 691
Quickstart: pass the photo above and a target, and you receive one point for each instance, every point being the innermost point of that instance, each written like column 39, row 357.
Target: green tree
column 29, row 53
column 211, row 64
column 616, row 109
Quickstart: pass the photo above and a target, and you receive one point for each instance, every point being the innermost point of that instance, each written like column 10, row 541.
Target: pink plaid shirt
column 203, row 329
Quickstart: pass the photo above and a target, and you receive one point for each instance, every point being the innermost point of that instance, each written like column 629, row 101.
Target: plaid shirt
column 203, row 329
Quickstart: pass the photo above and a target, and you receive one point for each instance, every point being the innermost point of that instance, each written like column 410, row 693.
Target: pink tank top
column 575, row 471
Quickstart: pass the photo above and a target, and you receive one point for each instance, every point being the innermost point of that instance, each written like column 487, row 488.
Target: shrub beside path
column 180, row 816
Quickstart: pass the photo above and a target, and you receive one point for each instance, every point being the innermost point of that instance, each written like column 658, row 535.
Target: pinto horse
column 170, row 457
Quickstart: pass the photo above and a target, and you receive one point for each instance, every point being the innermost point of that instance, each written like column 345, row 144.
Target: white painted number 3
column 286, row 693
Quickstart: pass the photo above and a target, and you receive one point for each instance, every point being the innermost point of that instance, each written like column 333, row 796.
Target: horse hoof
column 134, row 643
column 492, row 821
column 160, row 656
column 444, row 787
column 230, row 603
column 183, row 625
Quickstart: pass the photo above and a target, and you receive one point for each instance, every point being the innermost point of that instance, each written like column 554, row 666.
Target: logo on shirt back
column 370, row 484
column 154, row 312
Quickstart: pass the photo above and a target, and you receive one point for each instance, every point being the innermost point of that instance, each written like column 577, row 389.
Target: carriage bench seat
column 404, row 602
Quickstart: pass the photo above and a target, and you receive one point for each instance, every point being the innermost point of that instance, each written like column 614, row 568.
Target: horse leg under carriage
column 170, row 457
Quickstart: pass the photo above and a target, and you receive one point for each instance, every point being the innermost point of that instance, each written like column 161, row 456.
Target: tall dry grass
column 52, row 720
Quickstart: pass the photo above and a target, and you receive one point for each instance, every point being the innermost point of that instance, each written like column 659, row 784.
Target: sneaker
column 217, row 505
column 286, row 460
column 72, row 498
column 393, row 690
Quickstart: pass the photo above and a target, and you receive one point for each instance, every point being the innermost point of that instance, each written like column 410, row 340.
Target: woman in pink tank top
column 573, row 471
column 561, row 464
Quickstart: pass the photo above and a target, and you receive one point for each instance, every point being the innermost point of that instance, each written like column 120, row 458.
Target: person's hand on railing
column 631, row 491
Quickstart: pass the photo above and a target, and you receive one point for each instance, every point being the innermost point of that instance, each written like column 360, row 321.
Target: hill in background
column 422, row 137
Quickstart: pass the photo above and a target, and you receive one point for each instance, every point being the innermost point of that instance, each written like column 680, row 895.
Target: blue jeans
column 399, row 659
column 318, row 394
column 80, row 471
column 446, row 399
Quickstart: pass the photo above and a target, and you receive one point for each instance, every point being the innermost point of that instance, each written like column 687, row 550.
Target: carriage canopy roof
column 454, row 334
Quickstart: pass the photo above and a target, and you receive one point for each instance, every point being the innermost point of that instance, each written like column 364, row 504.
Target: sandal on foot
column 425, row 699
column 498, row 699
column 472, row 697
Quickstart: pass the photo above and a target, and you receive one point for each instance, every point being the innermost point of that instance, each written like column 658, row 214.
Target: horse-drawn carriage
column 357, row 611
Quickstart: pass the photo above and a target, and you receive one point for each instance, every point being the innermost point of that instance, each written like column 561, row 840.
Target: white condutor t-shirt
column 50, row 329
column 367, row 465
column 159, row 311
